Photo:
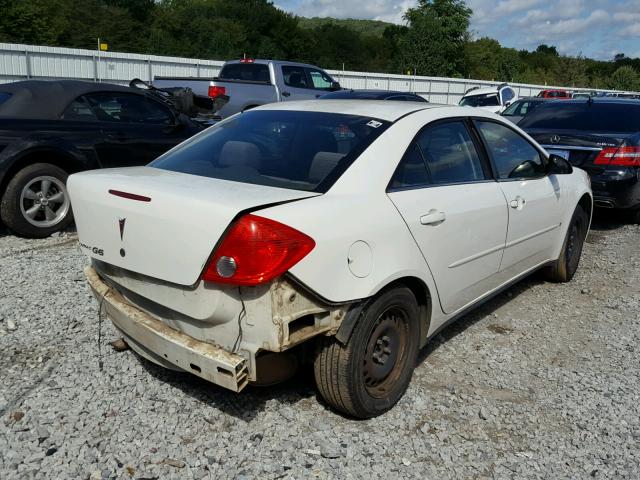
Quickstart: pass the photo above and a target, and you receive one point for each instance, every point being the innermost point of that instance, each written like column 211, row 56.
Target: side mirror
column 558, row 165
column 335, row 86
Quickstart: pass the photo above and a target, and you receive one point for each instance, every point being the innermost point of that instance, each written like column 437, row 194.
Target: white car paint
column 462, row 242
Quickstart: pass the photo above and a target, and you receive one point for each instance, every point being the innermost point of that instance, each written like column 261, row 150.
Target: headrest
column 322, row 164
column 235, row 153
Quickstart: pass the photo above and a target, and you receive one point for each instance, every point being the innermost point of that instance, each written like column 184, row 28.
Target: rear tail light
column 620, row 157
column 215, row 91
column 256, row 250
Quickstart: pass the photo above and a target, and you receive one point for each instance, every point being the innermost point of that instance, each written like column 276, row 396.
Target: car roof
column 483, row 91
column 380, row 109
column 47, row 99
column 370, row 94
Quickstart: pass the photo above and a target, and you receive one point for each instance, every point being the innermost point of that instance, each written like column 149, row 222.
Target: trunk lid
column 580, row 148
column 171, row 235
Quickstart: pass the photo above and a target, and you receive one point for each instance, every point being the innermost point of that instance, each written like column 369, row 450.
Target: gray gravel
column 542, row 382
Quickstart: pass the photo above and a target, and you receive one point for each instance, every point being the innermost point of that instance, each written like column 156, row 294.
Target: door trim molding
column 531, row 235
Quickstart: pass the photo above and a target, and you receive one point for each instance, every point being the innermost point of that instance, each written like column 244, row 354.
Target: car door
column 535, row 199
column 136, row 129
column 454, row 209
column 297, row 85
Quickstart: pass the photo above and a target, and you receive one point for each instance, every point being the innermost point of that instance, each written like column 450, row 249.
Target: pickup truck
column 249, row 83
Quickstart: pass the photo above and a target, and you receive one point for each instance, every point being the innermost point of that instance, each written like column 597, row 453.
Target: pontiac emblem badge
column 555, row 139
column 121, row 222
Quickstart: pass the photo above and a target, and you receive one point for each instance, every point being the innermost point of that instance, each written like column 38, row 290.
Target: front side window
column 320, row 80
column 513, row 156
column 288, row 149
column 128, row 108
column 295, row 77
column 486, row 100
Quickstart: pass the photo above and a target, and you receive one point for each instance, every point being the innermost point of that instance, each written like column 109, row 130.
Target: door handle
column 286, row 94
column 517, row 203
column 434, row 216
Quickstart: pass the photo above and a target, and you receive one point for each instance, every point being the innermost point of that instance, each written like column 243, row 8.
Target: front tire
column 36, row 203
column 565, row 267
column 368, row 376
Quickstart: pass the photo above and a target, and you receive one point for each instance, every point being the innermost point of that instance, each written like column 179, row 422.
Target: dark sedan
column 599, row 135
column 50, row 129
column 373, row 95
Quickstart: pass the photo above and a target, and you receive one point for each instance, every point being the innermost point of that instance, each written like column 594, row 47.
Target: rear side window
column 250, row 72
column 513, row 156
column 287, row 149
column 441, row 154
column 585, row 116
column 295, row 77
column 127, row 108
column 450, row 154
column 4, row 97
column 79, row 110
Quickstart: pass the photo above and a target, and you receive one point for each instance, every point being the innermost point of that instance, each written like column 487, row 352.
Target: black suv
column 599, row 135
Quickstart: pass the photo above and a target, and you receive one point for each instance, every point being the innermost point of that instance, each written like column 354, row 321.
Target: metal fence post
column 27, row 60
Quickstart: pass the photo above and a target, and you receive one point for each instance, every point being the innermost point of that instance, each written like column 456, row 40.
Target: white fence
column 20, row 62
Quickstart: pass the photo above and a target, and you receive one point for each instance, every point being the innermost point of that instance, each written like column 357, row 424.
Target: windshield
column 287, row 149
column 621, row 117
column 521, row 108
column 485, row 100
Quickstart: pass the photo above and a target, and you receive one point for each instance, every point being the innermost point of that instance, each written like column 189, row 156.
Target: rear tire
column 368, row 376
column 564, row 268
column 635, row 216
column 36, row 203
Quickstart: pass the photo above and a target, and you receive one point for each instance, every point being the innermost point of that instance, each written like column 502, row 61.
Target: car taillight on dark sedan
column 625, row 156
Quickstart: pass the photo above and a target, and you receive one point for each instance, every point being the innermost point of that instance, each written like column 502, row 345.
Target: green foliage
column 625, row 78
column 434, row 41
column 374, row 28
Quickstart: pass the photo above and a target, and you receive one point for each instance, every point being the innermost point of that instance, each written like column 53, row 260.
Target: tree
column 435, row 39
column 625, row 78
column 33, row 21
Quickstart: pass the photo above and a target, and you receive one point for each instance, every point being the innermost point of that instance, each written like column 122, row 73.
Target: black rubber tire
column 10, row 212
column 565, row 267
column 339, row 369
column 635, row 216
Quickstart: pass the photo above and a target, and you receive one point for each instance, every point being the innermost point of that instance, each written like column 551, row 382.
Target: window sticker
column 374, row 124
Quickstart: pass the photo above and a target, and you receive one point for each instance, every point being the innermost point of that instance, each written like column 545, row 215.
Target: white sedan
column 344, row 232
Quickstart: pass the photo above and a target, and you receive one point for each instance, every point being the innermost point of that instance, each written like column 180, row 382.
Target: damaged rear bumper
column 162, row 344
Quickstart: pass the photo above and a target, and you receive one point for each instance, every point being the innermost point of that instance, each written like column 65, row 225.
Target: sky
column 592, row 28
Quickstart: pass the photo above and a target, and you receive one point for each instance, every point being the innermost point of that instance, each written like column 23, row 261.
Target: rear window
column 251, row 72
column 287, row 149
column 486, row 100
column 592, row 117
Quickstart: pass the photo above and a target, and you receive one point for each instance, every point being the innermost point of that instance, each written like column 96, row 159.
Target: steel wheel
column 44, row 201
column 574, row 244
column 385, row 352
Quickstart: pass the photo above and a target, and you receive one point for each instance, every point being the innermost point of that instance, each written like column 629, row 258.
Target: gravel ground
column 542, row 382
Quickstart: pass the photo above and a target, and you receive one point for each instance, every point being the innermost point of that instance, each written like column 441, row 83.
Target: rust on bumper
column 154, row 338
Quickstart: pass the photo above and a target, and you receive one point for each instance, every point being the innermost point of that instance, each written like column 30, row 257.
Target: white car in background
column 494, row 99
column 351, row 231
